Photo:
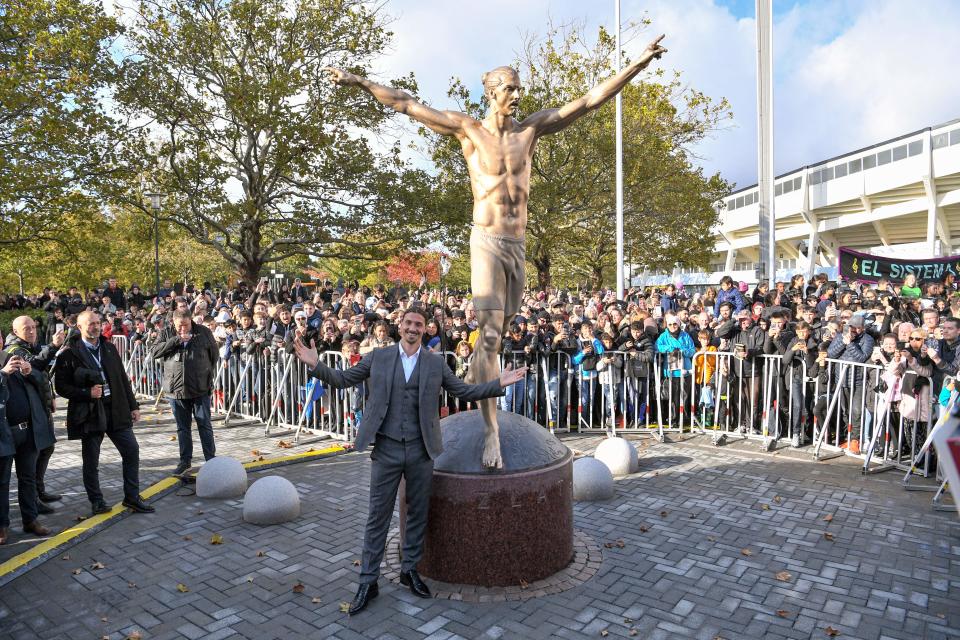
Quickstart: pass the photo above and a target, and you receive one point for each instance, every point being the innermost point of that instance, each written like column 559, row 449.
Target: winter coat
column 638, row 357
column 611, row 373
column 731, row 295
column 752, row 340
column 704, row 366
column 188, row 370
column 588, row 362
column 859, row 350
column 43, row 435
column 668, row 344
column 76, row 372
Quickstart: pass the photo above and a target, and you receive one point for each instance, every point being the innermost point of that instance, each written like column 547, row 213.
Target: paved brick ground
column 706, row 533
column 159, row 454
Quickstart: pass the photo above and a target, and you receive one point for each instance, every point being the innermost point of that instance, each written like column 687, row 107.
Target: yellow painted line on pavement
column 85, row 527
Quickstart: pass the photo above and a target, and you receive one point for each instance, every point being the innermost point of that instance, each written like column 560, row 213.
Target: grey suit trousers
column 391, row 461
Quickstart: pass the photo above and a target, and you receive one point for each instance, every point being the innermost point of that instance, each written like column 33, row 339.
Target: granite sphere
column 271, row 500
column 592, row 480
column 619, row 455
column 221, row 477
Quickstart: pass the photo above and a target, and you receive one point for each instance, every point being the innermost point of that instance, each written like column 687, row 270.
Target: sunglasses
column 916, row 337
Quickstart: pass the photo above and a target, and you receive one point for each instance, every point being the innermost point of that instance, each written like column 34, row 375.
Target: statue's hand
column 341, row 77
column 654, row 50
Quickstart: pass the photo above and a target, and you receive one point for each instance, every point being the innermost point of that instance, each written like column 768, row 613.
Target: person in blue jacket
column 676, row 349
column 585, row 359
column 729, row 293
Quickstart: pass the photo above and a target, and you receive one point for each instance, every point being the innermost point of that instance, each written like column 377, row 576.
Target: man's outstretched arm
column 553, row 120
column 443, row 122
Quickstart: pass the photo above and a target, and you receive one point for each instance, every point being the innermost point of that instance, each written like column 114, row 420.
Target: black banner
column 865, row 267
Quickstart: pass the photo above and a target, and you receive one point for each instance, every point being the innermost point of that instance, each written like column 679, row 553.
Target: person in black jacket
column 745, row 375
column 189, row 364
column 26, row 345
column 90, row 375
column 638, row 358
column 799, row 360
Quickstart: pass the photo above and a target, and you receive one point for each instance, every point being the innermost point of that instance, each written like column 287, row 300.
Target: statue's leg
column 486, row 367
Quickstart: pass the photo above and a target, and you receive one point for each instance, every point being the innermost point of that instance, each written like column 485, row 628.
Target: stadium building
column 900, row 197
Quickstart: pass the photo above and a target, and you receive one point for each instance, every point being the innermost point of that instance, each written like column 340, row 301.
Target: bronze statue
column 498, row 151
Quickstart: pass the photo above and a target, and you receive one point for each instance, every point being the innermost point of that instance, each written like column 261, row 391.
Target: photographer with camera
column 89, row 373
column 854, row 345
column 744, row 373
column 189, row 364
column 519, row 348
column 559, row 347
column 638, row 360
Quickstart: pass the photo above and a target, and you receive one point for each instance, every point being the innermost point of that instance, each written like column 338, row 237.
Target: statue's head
column 501, row 86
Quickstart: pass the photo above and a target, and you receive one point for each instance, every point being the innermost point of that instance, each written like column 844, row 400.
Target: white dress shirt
column 409, row 362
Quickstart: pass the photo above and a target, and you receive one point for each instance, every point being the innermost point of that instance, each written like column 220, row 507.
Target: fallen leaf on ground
column 633, row 632
column 711, row 539
column 216, row 539
column 828, row 536
column 188, row 538
column 81, row 518
column 260, row 554
column 663, row 514
column 255, row 452
column 832, row 632
column 104, row 619
column 604, row 633
column 260, row 459
column 131, row 585
column 98, row 565
column 66, row 557
column 344, row 607
column 315, row 600
column 765, row 507
column 628, row 621
column 784, row 576
column 173, row 438
column 692, row 516
column 524, row 584
column 783, row 613
column 249, row 578
column 777, row 499
column 182, row 588
column 644, row 528
column 284, row 445
column 199, row 513
column 746, row 552
column 828, row 518
column 298, row 588
column 135, row 635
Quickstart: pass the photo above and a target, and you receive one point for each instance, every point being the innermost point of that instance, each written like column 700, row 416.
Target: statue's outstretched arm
column 443, row 122
column 553, row 120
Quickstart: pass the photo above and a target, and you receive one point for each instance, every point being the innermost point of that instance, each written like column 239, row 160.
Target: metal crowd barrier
column 720, row 394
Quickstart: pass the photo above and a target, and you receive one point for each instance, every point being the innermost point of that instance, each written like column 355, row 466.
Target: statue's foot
column 491, row 451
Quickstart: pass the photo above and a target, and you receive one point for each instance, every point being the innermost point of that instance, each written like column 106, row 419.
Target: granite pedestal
column 504, row 527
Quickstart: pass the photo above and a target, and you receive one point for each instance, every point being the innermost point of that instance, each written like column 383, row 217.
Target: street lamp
column 155, row 199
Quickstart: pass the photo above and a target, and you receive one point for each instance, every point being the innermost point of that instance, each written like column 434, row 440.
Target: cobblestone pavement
column 159, row 454
column 716, row 543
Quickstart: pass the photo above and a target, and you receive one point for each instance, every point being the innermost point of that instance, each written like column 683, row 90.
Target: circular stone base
column 504, row 527
column 585, row 564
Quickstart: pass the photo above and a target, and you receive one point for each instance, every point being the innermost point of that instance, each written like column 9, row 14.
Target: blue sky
column 848, row 73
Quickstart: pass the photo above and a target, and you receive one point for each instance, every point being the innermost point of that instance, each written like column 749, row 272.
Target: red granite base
column 500, row 530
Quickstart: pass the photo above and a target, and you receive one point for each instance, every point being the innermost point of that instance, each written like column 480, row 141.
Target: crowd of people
column 629, row 359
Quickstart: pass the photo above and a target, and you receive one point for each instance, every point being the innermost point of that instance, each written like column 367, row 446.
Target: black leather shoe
column 137, row 505
column 181, row 468
column 99, row 507
column 44, row 509
column 365, row 594
column 417, row 586
column 48, row 497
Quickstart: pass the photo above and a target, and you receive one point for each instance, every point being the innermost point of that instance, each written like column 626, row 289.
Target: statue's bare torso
column 499, row 153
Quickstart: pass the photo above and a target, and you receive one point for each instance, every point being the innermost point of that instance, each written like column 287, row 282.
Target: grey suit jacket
column 378, row 366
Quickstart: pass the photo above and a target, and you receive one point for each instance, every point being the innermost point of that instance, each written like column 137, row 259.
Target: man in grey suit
column 402, row 422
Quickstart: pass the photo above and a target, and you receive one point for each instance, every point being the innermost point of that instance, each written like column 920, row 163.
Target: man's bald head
column 25, row 328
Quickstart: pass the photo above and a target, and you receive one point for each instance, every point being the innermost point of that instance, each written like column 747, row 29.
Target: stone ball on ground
column 271, row 500
column 619, row 455
column 221, row 477
column 592, row 480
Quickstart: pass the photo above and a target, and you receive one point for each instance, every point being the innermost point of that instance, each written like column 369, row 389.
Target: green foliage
column 258, row 154
column 57, row 143
column 7, row 318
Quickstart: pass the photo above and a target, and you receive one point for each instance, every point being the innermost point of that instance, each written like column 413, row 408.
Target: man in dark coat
column 190, row 359
column 26, row 345
column 89, row 373
column 24, row 430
